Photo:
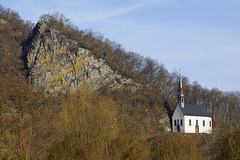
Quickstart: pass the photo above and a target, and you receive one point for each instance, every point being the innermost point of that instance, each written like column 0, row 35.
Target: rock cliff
column 57, row 65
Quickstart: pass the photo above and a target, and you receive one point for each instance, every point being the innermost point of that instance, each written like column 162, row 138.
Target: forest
column 104, row 124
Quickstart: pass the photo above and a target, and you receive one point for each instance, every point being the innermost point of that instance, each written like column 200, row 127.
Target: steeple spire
column 180, row 81
column 180, row 92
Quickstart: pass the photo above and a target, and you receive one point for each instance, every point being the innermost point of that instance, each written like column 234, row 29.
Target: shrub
column 228, row 148
column 176, row 146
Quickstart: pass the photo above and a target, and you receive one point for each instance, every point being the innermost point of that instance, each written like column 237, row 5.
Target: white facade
column 190, row 124
column 204, row 124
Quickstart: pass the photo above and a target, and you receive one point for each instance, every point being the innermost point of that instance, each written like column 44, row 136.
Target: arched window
column 181, row 122
column 190, row 123
column 175, row 122
column 210, row 123
column 203, row 123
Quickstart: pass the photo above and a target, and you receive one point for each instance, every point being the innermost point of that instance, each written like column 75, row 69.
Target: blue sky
column 202, row 37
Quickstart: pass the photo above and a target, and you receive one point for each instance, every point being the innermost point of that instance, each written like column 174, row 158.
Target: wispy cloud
column 101, row 15
column 108, row 12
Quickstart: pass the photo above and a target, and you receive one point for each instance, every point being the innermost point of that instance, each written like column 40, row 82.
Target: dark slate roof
column 194, row 110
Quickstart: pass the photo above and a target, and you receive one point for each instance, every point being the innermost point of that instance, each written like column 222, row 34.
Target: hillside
column 67, row 93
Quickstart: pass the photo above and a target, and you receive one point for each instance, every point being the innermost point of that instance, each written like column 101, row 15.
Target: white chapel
column 190, row 118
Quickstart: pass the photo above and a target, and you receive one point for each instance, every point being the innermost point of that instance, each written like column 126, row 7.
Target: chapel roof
column 194, row 110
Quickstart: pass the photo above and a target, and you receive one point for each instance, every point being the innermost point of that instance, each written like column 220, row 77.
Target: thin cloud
column 101, row 15
column 108, row 13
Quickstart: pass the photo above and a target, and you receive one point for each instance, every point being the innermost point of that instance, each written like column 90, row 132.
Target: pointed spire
column 180, row 81
column 180, row 92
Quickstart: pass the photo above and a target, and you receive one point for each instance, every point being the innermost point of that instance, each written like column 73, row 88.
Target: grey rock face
column 58, row 65
column 2, row 22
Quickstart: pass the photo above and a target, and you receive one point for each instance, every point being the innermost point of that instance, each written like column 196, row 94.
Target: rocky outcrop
column 2, row 22
column 58, row 65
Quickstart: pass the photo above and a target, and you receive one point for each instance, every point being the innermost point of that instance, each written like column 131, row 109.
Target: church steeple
column 180, row 92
